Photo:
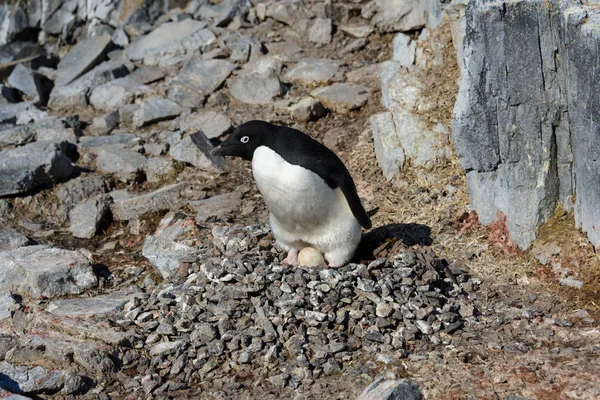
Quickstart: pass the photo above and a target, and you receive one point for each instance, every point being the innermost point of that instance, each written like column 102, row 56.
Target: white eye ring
column 244, row 139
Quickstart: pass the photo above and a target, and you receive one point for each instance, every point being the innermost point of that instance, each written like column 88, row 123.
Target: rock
column 11, row 239
column 166, row 34
column 126, row 165
column 398, row 89
column 358, row 32
column 424, row 147
column 127, row 206
column 111, row 95
column 68, row 98
column 320, row 32
column 195, row 149
column 106, row 304
column 35, row 380
column 384, row 310
column 342, row 97
column 404, row 49
column 104, row 124
column 79, row 190
column 286, row 11
column 197, row 79
column 87, row 217
column 516, row 164
column 155, row 109
column 126, row 113
column 368, row 75
column 21, row 78
column 212, row 123
column 256, row 88
column 158, row 169
column 164, row 348
column 382, row 389
column 285, row 51
column 7, row 302
column 84, row 56
column 42, row 271
column 312, row 71
column 388, row 150
column 147, row 74
column 307, row 109
column 97, row 143
column 13, row 21
column 33, row 165
column 310, row 257
column 16, row 136
column 216, row 206
column 10, row 112
column 394, row 16
column 172, row 243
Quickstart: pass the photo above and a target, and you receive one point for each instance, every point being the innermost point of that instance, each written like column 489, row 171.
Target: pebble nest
column 238, row 310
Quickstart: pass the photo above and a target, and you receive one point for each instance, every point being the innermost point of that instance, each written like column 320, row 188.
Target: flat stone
column 104, row 124
column 54, row 130
column 198, row 79
column 106, row 304
column 87, row 217
column 78, row 190
column 158, row 169
column 172, row 243
column 127, row 206
column 111, row 95
column 11, row 239
column 6, row 304
column 398, row 89
column 307, row 109
column 212, row 123
column 42, row 271
column 147, row 74
column 33, row 380
column 312, row 71
column 21, row 78
column 195, row 149
column 320, row 32
column 286, row 11
column 342, row 97
column 84, row 56
column 95, row 143
column 33, row 165
column 164, row 348
column 388, row 150
column 126, row 165
column 155, row 109
column 17, row 136
column 256, row 88
column 404, row 16
column 357, row 31
column 285, row 51
column 404, row 49
column 10, row 112
column 167, row 33
column 216, row 206
column 68, row 98
column 382, row 389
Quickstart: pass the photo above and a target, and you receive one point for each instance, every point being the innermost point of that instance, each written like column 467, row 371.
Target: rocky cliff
column 526, row 118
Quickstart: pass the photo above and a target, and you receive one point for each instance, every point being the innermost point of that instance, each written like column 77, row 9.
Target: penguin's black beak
column 218, row 151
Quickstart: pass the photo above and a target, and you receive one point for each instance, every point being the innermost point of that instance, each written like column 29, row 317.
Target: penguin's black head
column 244, row 140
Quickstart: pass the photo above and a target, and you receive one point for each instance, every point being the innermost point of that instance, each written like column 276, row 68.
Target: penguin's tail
column 373, row 211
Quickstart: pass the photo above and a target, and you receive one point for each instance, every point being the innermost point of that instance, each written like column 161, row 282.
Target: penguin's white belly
column 304, row 209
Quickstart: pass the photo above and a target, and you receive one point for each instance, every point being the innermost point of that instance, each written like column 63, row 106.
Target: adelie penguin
column 309, row 192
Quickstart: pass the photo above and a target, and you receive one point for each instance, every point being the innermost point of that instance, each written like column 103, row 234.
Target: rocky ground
column 135, row 265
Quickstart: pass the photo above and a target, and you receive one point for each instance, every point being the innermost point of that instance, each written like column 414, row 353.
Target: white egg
column 310, row 257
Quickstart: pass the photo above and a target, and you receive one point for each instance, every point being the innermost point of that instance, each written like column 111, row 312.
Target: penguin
column 310, row 195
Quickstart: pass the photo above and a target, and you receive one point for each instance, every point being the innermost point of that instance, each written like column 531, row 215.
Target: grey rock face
column 95, row 143
column 256, row 88
column 16, row 136
column 83, row 57
column 34, row 380
column 404, row 49
column 11, row 239
column 197, row 152
column 171, row 244
column 307, row 109
column 42, row 271
column 78, row 190
column 158, row 168
column 155, row 109
column 286, row 11
column 197, row 79
column 89, row 306
column 320, row 32
column 86, row 218
column 126, row 165
column 31, row 166
column 312, row 71
column 388, row 150
column 127, row 206
column 403, row 16
column 111, row 95
column 342, row 97
column 382, row 389
column 519, row 125
column 6, row 304
column 68, row 97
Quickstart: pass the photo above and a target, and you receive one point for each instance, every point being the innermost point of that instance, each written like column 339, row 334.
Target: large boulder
column 525, row 121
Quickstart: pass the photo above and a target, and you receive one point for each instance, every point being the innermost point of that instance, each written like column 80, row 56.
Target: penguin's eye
column 244, row 139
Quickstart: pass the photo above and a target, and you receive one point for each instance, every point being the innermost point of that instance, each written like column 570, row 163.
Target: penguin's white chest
column 296, row 196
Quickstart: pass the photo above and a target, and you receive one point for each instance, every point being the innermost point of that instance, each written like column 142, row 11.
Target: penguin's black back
column 297, row 148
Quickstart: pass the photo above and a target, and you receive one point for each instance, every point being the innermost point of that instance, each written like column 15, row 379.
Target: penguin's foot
column 292, row 258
